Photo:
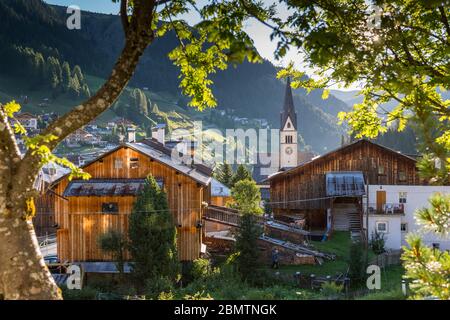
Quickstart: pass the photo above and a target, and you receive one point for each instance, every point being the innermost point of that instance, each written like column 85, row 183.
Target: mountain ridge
column 252, row 90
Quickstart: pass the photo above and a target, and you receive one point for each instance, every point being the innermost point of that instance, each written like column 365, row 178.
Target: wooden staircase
column 347, row 217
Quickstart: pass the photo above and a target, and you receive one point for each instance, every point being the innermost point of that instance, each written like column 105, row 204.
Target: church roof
column 288, row 107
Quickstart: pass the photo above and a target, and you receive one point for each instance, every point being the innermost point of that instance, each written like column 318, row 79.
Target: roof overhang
column 345, row 184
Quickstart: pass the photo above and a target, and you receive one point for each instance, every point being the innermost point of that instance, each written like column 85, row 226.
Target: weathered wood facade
column 44, row 220
column 302, row 190
column 81, row 219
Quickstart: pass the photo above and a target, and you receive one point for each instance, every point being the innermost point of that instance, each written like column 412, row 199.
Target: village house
column 220, row 193
column 328, row 193
column 80, row 137
column 391, row 213
column 27, row 120
column 85, row 209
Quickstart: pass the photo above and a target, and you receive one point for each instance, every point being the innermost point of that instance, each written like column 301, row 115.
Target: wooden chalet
column 326, row 193
column 85, row 209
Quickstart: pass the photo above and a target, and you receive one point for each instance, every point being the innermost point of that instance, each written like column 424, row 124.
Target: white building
column 392, row 212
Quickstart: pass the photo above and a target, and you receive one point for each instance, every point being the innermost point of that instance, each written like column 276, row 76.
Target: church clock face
column 289, row 150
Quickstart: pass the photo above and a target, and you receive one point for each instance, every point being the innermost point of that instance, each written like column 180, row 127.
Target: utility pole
column 367, row 224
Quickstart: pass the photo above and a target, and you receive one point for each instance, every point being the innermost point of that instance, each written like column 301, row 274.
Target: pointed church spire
column 288, row 107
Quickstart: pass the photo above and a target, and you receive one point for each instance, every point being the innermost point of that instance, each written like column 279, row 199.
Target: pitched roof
column 25, row 115
column 157, row 151
column 288, row 107
column 197, row 172
column 218, row 189
column 318, row 158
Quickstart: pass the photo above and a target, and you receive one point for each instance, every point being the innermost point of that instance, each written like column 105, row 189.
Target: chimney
column 131, row 134
column 159, row 133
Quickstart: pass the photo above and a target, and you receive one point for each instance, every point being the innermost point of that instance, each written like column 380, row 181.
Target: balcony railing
column 387, row 208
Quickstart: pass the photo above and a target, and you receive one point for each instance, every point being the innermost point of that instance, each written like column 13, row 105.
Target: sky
column 257, row 31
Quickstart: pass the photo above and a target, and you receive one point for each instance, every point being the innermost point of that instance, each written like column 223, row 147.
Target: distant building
column 27, row 120
column 220, row 193
column 82, row 136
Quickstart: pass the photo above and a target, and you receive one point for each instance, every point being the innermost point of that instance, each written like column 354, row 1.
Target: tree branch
column 124, row 15
column 8, row 147
column 137, row 39
column 444, row 19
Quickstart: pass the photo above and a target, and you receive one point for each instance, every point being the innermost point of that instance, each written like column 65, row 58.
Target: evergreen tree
column 152, row 237
column 53, row 70
column 246, row 198
column 77, row 72
column 357, row 266
column 247, row 246
column 74, row 86
column 155, row 109
column 115, row 244
column 242, row 173
column 428, row 268
column 66, row 76
column 85, row 91
column 225, row 174
column 140, row 101
column 40, row 67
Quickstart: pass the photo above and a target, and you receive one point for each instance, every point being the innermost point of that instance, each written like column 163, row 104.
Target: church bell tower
column 288, row 131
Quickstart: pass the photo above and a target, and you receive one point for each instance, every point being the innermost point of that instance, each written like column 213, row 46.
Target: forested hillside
column 42, row 54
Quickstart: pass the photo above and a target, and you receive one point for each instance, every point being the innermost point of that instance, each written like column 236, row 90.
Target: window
column 134, row 163
column 160, row 182
column 382, row 226
column 288, row 139
column 402, row 197
column 404, row 227
column 118, row 163
column 289, row 125
column 110, row 207
column 381, row 169
column 436, row 245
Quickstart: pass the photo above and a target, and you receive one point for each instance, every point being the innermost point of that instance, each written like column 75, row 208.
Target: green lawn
column 339, row 245
column 391, row 285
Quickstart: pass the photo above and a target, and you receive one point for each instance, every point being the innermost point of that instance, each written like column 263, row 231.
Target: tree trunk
column 23, row 273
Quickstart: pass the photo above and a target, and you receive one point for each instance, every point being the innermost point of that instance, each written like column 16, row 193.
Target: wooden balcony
column 387, row 208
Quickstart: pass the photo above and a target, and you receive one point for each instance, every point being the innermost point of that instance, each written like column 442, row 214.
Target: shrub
column 87, row 293
column 200, row 295
column 377, row 242
column 157, row 285
column 332, row 290
column 201, row 268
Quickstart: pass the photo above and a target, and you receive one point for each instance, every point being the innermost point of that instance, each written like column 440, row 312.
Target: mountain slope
column 252, row 90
